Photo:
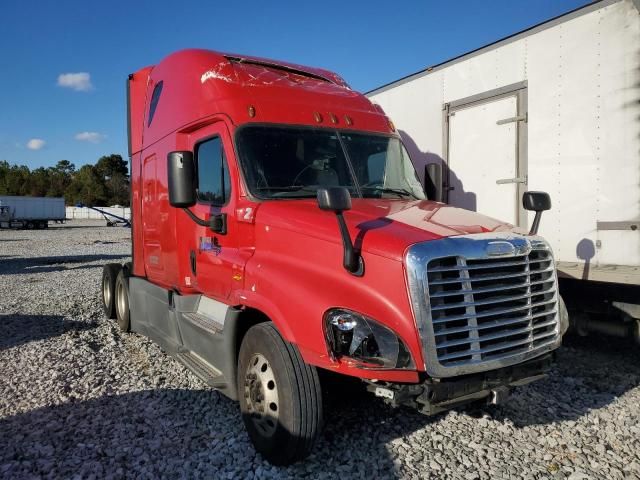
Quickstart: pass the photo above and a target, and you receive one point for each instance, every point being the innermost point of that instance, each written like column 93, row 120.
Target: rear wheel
column 109, row 274
column 122, row 301
column 280, row 396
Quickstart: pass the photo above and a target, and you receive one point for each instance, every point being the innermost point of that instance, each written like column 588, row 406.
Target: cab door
column 213, row 256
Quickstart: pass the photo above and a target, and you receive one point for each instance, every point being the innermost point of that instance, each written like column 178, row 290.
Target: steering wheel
column 297, row 177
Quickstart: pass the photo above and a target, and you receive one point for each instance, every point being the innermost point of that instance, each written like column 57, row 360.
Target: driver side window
column 214, row 186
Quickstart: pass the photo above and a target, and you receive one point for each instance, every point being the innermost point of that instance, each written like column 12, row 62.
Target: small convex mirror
column 337, row 199
column 181, row 179
column 536, row 201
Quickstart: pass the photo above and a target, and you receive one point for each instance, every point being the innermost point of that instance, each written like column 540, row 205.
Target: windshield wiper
column 290, row 189
column 401, row 192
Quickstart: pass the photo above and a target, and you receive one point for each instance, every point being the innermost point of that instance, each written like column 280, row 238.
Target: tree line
column 104, row 184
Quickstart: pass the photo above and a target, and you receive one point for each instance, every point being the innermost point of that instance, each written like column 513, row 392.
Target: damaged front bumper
column 434, row 395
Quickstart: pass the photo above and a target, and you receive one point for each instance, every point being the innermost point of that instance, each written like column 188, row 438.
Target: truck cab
column 279, row 228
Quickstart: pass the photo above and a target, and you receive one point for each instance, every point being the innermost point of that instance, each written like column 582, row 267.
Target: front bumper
column 433, row 396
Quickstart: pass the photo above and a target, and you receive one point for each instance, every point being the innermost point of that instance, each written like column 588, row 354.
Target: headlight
column 363, row 340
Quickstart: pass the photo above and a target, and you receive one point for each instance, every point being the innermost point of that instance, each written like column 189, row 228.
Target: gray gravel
column 80, row 400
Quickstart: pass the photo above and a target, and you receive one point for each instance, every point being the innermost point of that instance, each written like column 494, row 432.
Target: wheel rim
column 261, row 395
column 106, row 291
column 121, row 302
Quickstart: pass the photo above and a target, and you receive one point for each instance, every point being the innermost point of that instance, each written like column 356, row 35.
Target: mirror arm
column 352, row 261
column 536, row 223
column 217, row 222
column 199, row 221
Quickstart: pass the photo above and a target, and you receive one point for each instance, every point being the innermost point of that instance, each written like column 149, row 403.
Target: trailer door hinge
column 503, row 181
column 519, row 118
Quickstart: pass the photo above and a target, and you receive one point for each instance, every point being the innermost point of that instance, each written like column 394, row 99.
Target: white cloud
column 93, row 137
column 80, row 81
column 35, row 144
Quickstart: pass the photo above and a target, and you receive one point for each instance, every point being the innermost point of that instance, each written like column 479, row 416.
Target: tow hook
column 384, row 393
column 499, row 395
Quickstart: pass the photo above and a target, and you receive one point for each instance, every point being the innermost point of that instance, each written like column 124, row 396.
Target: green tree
column 60, row 178
column 87, row 187
column 110, row 165
column 5, row 168
column 105, row 183
column 18, row 180
column 38, row 183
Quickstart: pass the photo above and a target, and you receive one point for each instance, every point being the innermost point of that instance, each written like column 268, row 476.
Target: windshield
column 284, row 162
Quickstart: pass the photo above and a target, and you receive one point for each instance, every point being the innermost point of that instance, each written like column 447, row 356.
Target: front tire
column 122, row 301
column 280, row 396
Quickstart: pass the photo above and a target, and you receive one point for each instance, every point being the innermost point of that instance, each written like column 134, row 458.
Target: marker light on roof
column 334, row 119
column 348, row 120
column 252, row 111
column 317, row 116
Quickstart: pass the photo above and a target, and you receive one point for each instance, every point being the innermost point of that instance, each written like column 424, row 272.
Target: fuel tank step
column 203, row 321
column 203, row 370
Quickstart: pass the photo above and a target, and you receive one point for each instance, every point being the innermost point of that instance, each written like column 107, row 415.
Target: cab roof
column 190, row 85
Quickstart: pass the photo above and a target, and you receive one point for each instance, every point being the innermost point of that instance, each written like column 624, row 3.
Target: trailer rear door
column 487, row 168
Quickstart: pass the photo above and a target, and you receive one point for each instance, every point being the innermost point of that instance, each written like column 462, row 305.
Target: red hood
column 382, row 227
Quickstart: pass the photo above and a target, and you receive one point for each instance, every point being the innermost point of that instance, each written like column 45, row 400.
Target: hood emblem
column 500, row 249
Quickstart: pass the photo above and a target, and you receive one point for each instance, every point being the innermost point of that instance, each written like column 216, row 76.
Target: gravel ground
column 78, row 399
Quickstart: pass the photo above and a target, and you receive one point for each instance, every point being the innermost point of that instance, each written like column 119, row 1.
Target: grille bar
column 497, row 323
column 497, row 311
column 500, row 334
column 511, row 353
column 500, row 288
column 449, row 306
column 485, row 278
column 493, row 348
column 489, row 265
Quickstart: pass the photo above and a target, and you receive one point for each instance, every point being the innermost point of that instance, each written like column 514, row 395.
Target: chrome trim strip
column 473, row 247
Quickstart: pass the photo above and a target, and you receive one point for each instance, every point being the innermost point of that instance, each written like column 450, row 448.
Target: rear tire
column 109, row 274
column 122, row 301
column 280, row 396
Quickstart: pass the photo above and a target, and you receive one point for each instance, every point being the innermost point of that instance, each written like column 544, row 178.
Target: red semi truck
column 279, row 228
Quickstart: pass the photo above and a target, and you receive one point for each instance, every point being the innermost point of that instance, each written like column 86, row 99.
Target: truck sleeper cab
column 278, row 227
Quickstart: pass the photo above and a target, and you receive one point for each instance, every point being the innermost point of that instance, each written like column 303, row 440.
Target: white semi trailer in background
column 30, row 212
column 555, row 108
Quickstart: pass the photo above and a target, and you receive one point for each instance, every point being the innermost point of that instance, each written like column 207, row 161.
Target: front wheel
column 280, row 396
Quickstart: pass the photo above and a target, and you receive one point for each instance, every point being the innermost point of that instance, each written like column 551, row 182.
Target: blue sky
column 368, row 43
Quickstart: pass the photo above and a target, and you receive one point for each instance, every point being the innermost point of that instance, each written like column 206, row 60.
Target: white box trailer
column 30, row 212
column 554, row 108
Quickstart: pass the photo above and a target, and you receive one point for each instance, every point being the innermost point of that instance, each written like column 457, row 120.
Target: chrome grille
column 491, row 308
column 483, row 301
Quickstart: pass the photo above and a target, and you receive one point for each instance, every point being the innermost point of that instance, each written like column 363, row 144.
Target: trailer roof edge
column 565, row 17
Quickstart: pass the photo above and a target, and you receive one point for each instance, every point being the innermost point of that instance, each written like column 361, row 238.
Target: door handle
column 519, row 118
column 503, row 181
